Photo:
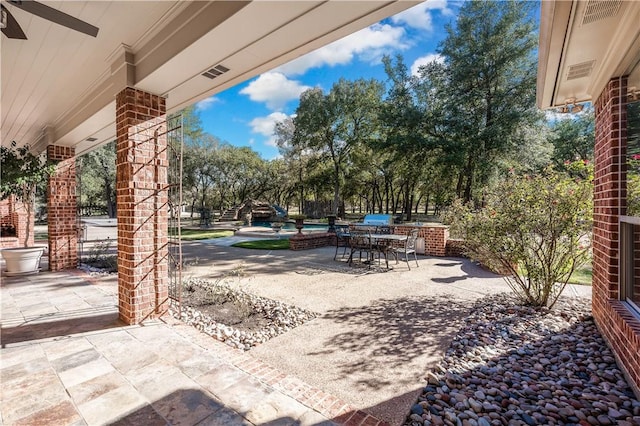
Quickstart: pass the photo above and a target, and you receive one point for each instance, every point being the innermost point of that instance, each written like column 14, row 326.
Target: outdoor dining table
column 379, row 243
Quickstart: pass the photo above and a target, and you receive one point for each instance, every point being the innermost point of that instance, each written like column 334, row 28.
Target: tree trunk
column 108, row 199
column 459, row 183
column 396, row 203
column 386, row 195
column 417, row 204
column 111, row 209
column 469, row 171
column 336, row 188
column 29, row 201
column 408, row 201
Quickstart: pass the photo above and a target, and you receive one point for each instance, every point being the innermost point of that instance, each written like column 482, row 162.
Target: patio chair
column 383, row 247
column 342, row 240
column 408, row 248
column 360, row 242
column 383, row 230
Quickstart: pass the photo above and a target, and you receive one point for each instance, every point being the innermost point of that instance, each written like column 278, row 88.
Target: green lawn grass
column 264, row 244
column 203, row 234
column 581, row 276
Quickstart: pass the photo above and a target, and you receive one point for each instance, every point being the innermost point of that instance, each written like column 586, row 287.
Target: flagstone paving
column 66, row 359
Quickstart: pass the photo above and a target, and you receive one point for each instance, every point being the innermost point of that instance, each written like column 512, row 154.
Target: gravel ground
column 514, row 365
column 275, row 317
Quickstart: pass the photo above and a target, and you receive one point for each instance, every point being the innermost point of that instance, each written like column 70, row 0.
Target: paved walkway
column 66, row 359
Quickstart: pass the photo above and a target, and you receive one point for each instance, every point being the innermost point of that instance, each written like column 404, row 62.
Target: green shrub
column 633, row 185
column 535, row 228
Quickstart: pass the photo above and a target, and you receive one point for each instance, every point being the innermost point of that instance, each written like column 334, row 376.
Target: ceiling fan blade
column 56, row 16
column 12, row 30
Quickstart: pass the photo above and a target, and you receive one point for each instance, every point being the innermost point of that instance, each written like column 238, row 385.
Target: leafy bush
column 535, row 228
column 633, row 185
column 20, row 174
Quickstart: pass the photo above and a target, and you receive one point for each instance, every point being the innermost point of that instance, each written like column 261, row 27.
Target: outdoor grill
column 377, row 220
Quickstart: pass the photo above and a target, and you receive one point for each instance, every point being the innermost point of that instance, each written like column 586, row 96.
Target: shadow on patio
column 60, row 324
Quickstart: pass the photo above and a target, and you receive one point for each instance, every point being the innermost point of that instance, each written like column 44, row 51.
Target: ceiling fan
column 11, row 28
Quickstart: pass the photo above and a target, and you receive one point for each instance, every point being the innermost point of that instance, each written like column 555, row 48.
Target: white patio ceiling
column 59, row 86
column 583, row 44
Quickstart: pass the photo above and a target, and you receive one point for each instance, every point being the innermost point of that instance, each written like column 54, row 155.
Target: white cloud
column 266, row 126
column 420, row 17
column 424, row 60
column 274, row 89
column 553, row 115
column 206, row 103
column 368, row 44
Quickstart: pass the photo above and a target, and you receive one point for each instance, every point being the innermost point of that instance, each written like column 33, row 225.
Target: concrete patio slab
column 375, row 335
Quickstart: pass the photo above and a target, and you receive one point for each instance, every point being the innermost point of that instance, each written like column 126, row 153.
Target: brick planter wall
column 61, row 209
column 311, row 241
column 619, row 327
column 435, row 237
column 141, row 193
column 455, row 248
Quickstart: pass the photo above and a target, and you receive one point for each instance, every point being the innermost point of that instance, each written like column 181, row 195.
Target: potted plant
column 20, row 174
column 299, row 219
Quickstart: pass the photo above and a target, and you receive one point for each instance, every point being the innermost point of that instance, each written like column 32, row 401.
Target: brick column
column 620, row 328
column 609, row 189
column 141, row 194
column 61, row 209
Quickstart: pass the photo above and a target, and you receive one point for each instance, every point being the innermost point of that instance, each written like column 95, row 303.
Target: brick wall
column 311, row 241
column 61, row 209
column 142, row 210
column 455, row 248
column 619, row 327
column 435, row 237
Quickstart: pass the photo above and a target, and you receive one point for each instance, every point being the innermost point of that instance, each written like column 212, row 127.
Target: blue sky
column 245, row 115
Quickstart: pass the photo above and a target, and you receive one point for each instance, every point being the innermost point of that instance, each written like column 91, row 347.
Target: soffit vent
column 215, row 71
column 580, row 70
column 597, row 10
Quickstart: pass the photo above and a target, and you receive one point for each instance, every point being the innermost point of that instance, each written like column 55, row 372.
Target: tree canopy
column 410, row 144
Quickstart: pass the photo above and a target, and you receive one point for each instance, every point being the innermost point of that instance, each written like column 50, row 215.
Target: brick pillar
column 141, row 194
column 609, row 189
column 61, row 209
column 620, row 328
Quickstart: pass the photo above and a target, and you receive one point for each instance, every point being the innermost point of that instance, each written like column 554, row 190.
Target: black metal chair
column 382, row 246
column 383, row 230
column 360, row 242
column 342, row 240
column 408, row 248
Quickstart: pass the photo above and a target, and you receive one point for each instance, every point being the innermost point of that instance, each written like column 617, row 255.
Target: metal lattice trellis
column 174, row 156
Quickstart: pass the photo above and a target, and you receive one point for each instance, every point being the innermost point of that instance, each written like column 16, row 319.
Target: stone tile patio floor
column 66, row 359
